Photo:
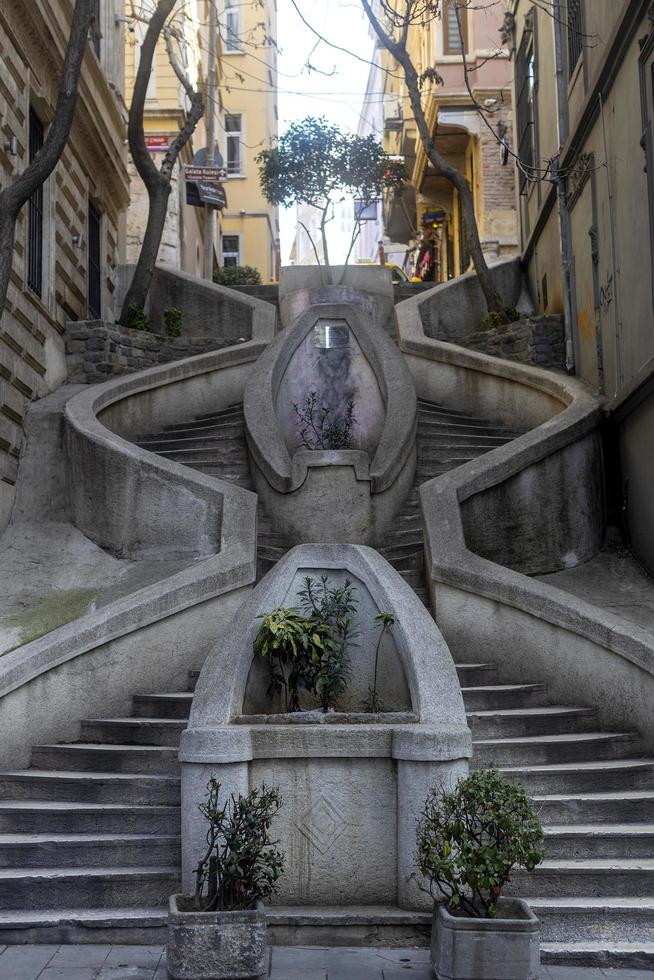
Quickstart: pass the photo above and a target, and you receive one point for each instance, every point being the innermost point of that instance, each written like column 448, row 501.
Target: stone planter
column 215, row 945
column 504, row 948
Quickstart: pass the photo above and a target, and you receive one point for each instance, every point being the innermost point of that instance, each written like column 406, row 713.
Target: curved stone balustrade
column 368, row 774
column 535, row 504
column 139, row 505
column 300, row 487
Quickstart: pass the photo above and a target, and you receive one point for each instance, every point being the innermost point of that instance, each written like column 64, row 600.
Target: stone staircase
column 90, row 846
column 215, row 444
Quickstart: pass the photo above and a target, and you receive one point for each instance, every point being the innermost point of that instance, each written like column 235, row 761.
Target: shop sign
column 157, row 143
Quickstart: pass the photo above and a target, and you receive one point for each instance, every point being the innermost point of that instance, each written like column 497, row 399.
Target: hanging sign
column 203, row 193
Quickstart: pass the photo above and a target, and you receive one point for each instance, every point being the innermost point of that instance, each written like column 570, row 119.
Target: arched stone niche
column 339, row 351
column 353, row 785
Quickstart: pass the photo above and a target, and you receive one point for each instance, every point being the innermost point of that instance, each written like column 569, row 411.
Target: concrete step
column 403, row 549
column 498, row 696
column 231, row 412
column 229, row 462
column 409, row 562
column 228, row 427
column 482, row 674
column 429, row 444
column 638, row 955
column 588, row 877
column 106, row 758
column 120, row 926
column 516, row 722
column 423, row 595
column 594, row 918
column 133, row 731
column 599, row 807
column 434, row 426
column 415, row 578
column 43, row 888
column 173, row 705
column 45, row 817
column 581, row 841
column 580, row 776
column 89, row 787
column 227, row 444
column 23, row 850
column 543, row 749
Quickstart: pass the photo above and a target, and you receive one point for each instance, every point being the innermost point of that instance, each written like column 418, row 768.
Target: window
column 232, row 26
column 525, row 80
column 575, row 33
column 231, row 250
column 233, row 144
column 94, row 274
column 35, row 213
column 451, row 33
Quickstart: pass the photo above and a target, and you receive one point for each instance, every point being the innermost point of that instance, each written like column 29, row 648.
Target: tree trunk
column 15, row 195
column 157, row 182
column 457, row 179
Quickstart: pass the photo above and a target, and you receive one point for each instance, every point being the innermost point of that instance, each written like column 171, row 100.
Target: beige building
column 183, row 240
column 429, row 212
column 248, row 86
column 67, row 236
column 602, row 116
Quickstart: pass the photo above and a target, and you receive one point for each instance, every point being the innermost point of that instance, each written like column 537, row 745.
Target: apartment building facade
column 67, row 244
column 587, row 242
column 428, row 214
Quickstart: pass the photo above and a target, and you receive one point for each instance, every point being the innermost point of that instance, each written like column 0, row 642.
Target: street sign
column 212, row 174
column 202, row 192
column 157, row 143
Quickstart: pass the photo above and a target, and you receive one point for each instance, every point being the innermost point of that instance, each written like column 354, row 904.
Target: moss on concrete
column 57, row 608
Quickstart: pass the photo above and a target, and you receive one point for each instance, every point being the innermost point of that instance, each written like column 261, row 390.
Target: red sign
column 212, row 174
column 157, row 143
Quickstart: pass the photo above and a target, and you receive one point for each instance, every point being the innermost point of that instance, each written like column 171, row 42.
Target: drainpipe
column 210, row 214
column 564, row 216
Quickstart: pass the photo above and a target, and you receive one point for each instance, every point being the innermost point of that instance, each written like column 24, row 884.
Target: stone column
column 224, row 753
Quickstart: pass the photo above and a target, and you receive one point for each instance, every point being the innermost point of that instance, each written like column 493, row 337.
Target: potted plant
column 219, row 933
column 469, row 841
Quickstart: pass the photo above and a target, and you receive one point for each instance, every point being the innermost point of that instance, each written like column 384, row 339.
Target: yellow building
column 589, row 250
column 67, row 236
column 428, row 214
column 183, row 240
column 250, row 225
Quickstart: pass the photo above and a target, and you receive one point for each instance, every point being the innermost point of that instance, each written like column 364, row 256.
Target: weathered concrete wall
column 301, row 286
column 456, row 309
column 208, row 310
column 537, row 340
column 96, row 350
column 350, row 790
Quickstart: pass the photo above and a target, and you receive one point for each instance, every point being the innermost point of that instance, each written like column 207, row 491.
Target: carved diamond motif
column 322, row 824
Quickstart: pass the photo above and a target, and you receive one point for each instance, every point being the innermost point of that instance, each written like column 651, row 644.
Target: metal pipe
column 210, row 214
column 564, row 215
column 617, row 368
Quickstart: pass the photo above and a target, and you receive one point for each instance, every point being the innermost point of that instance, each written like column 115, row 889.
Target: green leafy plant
column 173, row 321
column 242, row 863
column 500, row 318
column 237, row 275
column 373, row 703
column 470, row 840
column 328, row 673
column 316, row 163
column 321, row 428
column 293, row 645
column 136, row 318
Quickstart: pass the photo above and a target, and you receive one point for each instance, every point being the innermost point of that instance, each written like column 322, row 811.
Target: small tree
column 17, row 193
column 157, row 181
column 316, row 163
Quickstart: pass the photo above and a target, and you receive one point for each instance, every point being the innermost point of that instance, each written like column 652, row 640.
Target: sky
column 337, row 86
